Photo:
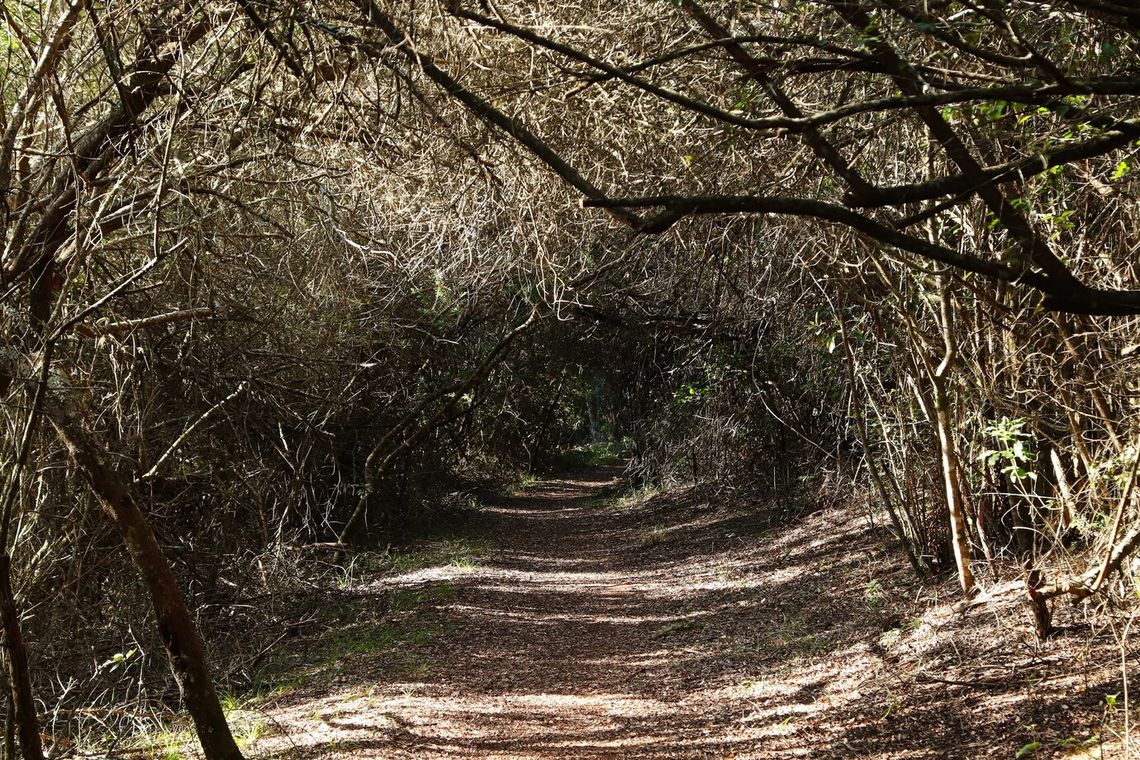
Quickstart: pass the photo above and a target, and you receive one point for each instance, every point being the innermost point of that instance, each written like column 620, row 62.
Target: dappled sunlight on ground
column 670, row 628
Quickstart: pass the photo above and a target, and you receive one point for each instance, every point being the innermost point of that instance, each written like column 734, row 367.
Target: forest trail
column 591, row 627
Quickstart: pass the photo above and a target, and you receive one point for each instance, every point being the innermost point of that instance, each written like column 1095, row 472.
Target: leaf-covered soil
column 582, row 624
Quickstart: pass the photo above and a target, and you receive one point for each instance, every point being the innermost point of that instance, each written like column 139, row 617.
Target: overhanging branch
column 1059, row 296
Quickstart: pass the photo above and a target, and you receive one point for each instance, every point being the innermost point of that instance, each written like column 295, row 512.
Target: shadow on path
column 674, row 628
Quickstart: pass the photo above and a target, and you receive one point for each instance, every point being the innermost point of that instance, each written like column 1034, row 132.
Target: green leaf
column 1028, row 749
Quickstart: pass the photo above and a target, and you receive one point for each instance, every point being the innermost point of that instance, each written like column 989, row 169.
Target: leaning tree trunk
column 959, row 538
column 21, row 703
column 175, row 625
column 23, row 707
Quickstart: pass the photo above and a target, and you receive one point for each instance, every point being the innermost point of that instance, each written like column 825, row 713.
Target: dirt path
column 673, row 629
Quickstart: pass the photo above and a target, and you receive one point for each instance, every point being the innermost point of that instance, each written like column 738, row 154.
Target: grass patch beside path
column 456, row 551
column 370, row 633
column 177, row 741
column 368, row 636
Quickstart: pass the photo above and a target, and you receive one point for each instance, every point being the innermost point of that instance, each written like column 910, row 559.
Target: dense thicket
column 279, row 275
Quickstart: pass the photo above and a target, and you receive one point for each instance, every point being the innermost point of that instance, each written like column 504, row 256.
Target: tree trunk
column 959, row 538
column 22, row 706
column 9, row 727
column 1065, row 520
column 175, row 624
